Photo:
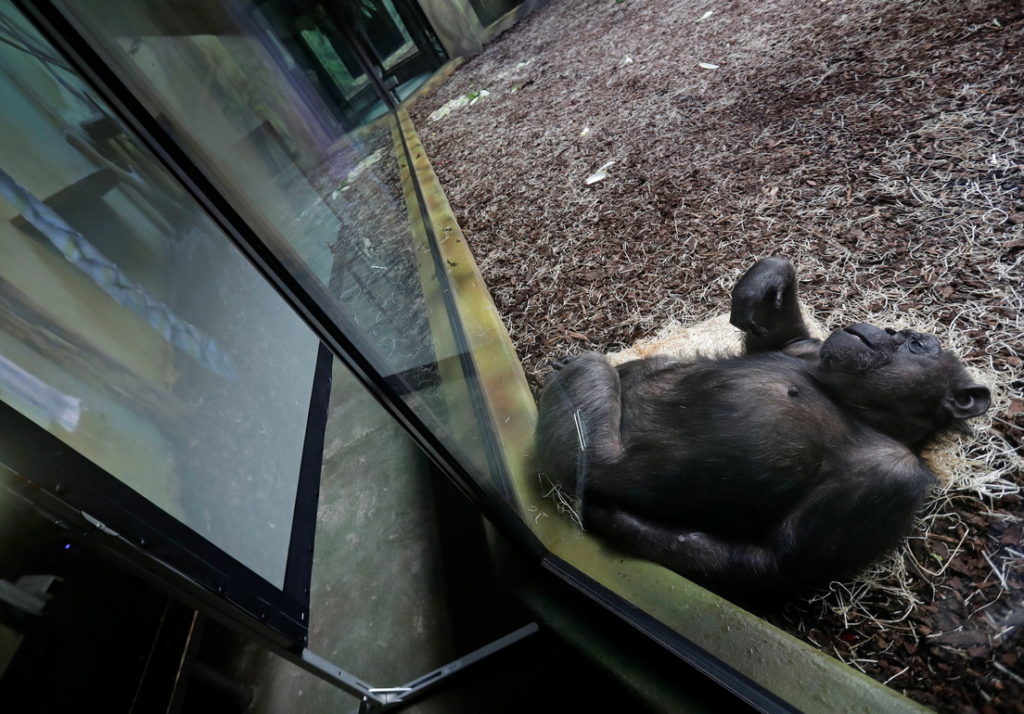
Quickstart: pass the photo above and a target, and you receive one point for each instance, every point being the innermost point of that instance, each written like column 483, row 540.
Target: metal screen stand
column 94, row 534
column 381, row 699
column 396, row 697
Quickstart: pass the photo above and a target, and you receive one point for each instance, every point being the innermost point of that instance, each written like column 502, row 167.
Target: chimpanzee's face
column 898, row 375
column 862, row 348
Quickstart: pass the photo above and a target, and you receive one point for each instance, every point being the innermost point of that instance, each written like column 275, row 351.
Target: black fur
column 775, row 471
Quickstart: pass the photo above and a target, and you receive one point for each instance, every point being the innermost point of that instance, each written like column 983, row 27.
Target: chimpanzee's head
column 901, row 382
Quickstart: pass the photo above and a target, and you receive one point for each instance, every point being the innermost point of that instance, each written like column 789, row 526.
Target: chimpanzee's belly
column 729, row 451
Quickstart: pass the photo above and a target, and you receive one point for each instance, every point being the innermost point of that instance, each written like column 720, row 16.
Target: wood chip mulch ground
column 878, row 143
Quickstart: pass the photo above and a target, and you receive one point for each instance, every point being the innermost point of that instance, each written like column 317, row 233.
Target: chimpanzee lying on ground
column 770, row 472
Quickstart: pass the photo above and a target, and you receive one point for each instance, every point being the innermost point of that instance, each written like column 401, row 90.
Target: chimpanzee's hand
column 764, row 299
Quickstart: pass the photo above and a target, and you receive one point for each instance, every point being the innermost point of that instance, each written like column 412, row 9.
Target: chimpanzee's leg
column 699, row 556
column 824, row 537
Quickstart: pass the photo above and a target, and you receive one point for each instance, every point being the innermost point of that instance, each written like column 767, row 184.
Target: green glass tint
column 131, row 328
column 332, row 44
column 272, row 100
column 490, row 11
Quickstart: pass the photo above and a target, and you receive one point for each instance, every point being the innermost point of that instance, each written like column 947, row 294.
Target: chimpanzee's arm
column 860, row 511
column 765, row 306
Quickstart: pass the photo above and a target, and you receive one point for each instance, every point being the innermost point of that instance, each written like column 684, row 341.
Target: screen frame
column 42, row 462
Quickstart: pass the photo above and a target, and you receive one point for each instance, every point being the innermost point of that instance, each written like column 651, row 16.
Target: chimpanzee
column 771, row 472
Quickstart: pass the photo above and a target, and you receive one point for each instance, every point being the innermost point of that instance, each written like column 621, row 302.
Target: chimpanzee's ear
column 967, row 401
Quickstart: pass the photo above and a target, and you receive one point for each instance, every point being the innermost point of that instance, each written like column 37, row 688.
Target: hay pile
column 878, row 143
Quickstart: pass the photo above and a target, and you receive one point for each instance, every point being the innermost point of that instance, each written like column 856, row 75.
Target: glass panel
column 131, row 328
column 332, row 41
column 308, row 42
column 377, row 524
column 253, row 95
column 489, row 11
column 401, row 43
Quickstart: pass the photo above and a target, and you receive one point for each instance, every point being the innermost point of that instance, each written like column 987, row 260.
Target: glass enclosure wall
column 331, row 45
column 131, row 328
column 138, row 332
column 489, row 11
column 259, row 95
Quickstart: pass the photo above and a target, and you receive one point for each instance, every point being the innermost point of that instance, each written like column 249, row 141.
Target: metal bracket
column 392, row 698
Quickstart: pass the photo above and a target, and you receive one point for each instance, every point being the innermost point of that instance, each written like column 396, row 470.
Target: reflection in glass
column 331, row 44
column 131, row 328
column 260, row 96
column 490, row 11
